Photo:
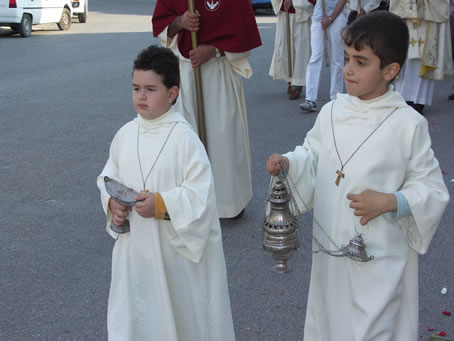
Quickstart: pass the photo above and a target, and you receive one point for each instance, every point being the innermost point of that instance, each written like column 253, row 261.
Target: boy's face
column 362, row 74
column 150, row 97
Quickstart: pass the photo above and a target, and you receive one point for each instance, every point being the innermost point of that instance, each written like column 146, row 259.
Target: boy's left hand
column 370, row 204
column 145, row 204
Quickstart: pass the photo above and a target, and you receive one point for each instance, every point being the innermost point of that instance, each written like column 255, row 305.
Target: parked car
column 20, row 15
column 80, row 9
column 261, row 4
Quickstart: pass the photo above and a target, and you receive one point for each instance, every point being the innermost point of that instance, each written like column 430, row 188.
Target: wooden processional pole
column 289, row 46
column 325, row 37
column 198, row 87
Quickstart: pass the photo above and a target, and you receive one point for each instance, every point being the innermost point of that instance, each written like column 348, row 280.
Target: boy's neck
column 379, row 94
column 156, row 116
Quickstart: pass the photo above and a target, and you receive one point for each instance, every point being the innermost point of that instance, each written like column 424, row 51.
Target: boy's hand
column 145, row 204
column 201, row 54
column 287, row 4
column 272, row 164
column 370, row 204
column 190, row 21
column 119, row 212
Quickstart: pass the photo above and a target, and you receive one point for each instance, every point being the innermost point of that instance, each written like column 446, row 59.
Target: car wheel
column 25, row 26
column 65, row 21
column 83, row 16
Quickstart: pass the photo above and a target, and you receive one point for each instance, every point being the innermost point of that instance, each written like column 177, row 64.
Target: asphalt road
column 63, row 95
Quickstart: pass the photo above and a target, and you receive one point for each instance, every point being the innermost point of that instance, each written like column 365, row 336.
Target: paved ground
column 62, row 97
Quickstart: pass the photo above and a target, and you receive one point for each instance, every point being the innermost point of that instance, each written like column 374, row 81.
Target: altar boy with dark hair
column 168, row 273
column 367, row 167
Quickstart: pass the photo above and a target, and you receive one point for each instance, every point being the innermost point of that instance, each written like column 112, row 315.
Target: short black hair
column 385, row 33
column 161, row 61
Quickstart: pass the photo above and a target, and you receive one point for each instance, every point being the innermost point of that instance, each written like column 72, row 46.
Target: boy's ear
column 391, row 71
column 173, row 93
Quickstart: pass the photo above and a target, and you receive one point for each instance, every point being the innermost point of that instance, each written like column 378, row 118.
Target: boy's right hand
column 273, row 162
column 119, row 212
column 190, row 21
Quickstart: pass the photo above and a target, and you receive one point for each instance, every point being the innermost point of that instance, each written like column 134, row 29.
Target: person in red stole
column 227, row 32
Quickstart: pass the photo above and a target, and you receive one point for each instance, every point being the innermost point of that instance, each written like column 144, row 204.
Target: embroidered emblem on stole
column 212, row 5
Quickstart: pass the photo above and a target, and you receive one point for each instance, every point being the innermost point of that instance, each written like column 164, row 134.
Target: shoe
column 418, row 107
column 289, row 88
column 238, row 216
column 295, row 93
column 308, row 105
column 451, row 97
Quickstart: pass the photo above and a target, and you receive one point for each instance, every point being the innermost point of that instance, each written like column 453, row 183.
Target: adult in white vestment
column 226, row 124
column 429, row 52
column 230, row 29
column 377, row 300
column 300, row 30
column 168, row 277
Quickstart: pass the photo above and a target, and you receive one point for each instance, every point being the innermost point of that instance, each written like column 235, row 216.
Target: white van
column 20, row 15
column 80, row 8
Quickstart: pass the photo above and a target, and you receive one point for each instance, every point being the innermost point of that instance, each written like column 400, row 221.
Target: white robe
column 412, row 87
column 377, row 300
column 225, row 122
column 300, row 28
column 429, row 51
column 168, row 277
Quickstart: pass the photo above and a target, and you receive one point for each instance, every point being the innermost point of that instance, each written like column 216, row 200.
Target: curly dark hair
column 385, row 33
column 161, row 61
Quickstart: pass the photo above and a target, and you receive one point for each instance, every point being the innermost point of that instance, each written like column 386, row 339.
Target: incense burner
column 280, row 234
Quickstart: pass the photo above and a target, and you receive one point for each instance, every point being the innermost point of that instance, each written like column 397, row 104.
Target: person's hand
column 370, row 204
column 201, row 54
column 326, row 22
column 273, row 162
column 361, row 13
column 119, row 212
column 190, row 21
column 145, row 204
column 288, row 4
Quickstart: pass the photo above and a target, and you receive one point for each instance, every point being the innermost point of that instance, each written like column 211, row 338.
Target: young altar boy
column 367, row 167
column 168, row 273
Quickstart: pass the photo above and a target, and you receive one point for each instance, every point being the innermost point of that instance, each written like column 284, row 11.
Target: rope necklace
column 339, row 173
column 138, row 155
column 342, row 251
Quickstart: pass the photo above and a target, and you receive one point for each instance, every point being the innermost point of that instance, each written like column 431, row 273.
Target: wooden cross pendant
column 339, row 176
